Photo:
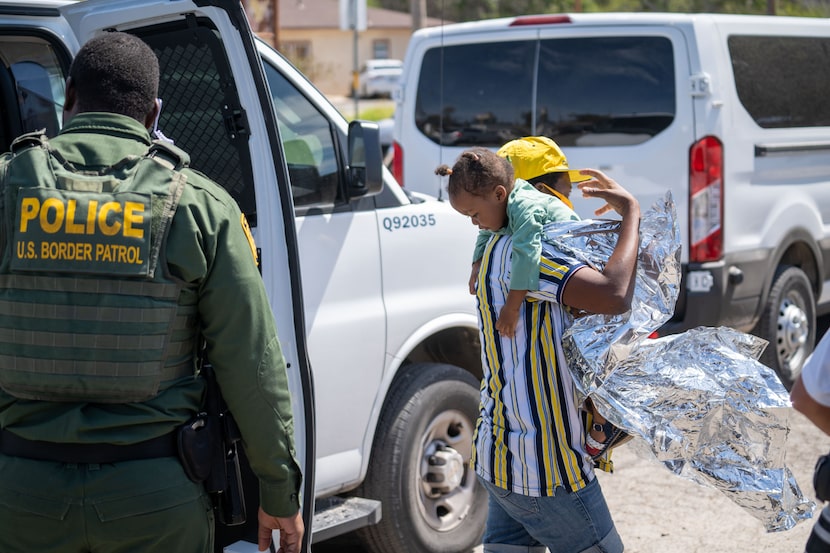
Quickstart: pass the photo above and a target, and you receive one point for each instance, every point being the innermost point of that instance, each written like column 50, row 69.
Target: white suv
column 728, row 112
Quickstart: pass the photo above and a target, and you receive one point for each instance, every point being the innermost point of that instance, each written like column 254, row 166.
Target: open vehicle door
column 216, row 106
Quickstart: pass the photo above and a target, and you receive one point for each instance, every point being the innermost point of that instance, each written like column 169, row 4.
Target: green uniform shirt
column 208, row 250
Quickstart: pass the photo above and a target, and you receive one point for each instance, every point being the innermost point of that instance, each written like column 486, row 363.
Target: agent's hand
column 474, row 276
column 604, row 187
column 291, row 531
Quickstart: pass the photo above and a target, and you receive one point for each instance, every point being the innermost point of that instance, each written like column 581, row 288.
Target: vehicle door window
column 31, row 82
column 476, row 94
column 605, row 91
column 201, row 111
column 783, row 81
column 309, row 145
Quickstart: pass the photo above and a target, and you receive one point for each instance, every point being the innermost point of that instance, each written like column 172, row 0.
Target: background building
column 308, row 33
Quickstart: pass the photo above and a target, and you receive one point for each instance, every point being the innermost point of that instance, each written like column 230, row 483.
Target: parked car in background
column 379, row 77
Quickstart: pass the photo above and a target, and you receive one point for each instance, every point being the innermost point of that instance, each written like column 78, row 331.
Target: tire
column 420, row 470
column 788, row 323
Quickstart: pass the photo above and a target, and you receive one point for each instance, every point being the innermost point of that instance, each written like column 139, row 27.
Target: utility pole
column 770, row 7
column 275, row 11
column 418, row 8
column 355, row 70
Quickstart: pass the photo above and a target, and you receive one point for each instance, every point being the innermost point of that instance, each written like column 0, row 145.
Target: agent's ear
column 150, row 118
column 69, row 101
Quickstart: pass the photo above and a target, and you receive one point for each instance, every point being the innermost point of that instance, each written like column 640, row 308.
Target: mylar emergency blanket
column 704, row 405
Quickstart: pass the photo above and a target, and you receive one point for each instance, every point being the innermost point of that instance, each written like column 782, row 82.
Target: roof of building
column 325, row 14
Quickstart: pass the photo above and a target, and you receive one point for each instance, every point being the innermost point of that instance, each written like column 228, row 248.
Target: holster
column 199, row 446
column 207, row 447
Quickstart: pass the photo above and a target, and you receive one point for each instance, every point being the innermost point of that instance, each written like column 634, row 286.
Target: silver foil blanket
column 701, row 402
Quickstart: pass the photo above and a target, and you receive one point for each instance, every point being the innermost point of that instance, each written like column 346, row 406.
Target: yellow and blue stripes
column 529, row 436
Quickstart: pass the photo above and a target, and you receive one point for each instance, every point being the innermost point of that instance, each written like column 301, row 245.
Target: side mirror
column 365, row 171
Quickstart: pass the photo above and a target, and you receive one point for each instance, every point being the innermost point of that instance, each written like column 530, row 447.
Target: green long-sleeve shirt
column 209, row 251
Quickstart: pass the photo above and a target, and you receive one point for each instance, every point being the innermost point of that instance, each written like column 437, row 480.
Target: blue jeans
column 576, row 522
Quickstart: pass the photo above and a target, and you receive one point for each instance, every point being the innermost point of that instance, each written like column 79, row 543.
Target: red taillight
column 397, row 162
column 706, row 200
column 539, row 20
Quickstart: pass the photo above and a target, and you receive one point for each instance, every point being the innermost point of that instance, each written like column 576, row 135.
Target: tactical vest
column 88, row 311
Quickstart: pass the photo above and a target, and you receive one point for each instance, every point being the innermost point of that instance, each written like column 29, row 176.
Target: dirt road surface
column 658, row 512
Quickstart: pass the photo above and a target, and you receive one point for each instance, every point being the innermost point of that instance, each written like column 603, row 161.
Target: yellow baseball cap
column 534, row 156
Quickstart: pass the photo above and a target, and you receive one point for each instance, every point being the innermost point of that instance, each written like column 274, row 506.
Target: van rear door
column 216, row 106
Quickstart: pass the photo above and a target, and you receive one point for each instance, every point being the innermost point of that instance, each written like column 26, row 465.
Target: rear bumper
column 729, row 293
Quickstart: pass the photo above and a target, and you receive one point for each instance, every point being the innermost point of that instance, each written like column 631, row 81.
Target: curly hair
column 116, row 73
column 477, row 171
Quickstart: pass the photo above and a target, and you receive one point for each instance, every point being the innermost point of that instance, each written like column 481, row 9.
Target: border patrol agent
column 117, row 261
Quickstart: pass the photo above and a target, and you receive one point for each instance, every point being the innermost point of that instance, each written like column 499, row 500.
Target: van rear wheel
column 420, row 465
column 788, row 322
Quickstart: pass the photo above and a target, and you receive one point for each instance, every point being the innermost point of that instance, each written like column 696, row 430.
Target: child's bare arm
column 474, row 276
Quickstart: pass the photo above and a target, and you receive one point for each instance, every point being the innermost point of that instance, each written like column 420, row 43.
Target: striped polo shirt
column 529, row 437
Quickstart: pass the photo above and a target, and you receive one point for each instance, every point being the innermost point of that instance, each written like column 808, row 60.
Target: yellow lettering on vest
column 117, row 253
column 29, row 208
column 102, row 253
column 52, row 204
column 90, row 216
column 87, row 252
column 107, row 228
column 57, row 214
column 133, row 215
column 71, row 226
column 70, row 251
column 83, row 251
column 26, row 250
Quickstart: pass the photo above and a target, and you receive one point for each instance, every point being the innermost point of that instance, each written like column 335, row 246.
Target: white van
column 728, row 112
column 367, row 283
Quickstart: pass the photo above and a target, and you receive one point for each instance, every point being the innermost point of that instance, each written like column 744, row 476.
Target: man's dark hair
column 551, row 179
column 116, row 73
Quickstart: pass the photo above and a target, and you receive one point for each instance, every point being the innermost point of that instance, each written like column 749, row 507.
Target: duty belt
column 15, row 446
